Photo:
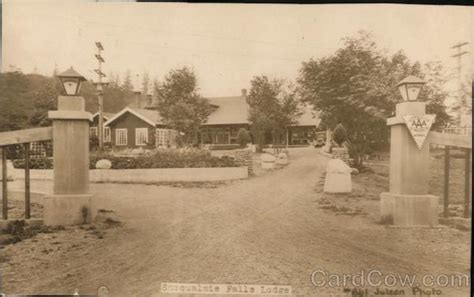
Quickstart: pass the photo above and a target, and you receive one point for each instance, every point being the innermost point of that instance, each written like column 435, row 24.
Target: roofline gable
column 97, row 113
column 128, row 109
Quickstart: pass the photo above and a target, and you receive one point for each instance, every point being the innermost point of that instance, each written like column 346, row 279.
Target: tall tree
column 145, row 83
column 114, row 79
column 44, row 99
column 434, row 94
column 116, row 98
column 356, row 87
column 272, row 107
column 180, row 104
column 127, row 83
column 14, row 107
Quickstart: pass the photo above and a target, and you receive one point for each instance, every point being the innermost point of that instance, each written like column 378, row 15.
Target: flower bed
column 159, row 158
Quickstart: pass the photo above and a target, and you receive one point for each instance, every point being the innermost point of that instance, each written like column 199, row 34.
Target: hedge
column 35, row 163
column 186, row 158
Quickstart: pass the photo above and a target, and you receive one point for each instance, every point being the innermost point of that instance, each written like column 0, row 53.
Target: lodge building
column 140, row 125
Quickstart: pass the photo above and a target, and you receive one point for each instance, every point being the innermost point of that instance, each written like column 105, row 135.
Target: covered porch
column 220, row 134
column 295, row 135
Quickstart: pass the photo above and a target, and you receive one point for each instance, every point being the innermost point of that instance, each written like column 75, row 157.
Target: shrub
column 243, row 137
column 167, row 158
column 93, row 142
column 224, row 147
column 35, row 163
column 340, row 134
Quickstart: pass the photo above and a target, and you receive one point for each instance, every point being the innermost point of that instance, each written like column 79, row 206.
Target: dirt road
column 265, row 230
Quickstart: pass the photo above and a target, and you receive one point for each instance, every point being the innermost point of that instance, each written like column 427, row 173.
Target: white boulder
column 252, row 147
column 337, row 166
column 338, row 177
column 268, row 165
column 103, row 164
column 282, row 159
column 267, row 158
column 268, row 161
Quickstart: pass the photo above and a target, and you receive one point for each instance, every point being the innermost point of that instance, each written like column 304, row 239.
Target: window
column 162, row 136
column 121, row 136
column 172, row 137
column 166, row 137
column 37, row 149
column 106, row 134
column 141, row 136
column 93, row 131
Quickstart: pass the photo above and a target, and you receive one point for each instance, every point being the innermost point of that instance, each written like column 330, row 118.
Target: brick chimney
column 149, row 99
column 138, row 100
column 137, row 92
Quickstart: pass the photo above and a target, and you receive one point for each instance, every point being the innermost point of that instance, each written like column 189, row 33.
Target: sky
column 225, row 44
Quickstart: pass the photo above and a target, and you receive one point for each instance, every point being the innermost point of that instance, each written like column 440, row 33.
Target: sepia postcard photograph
column 235, row 149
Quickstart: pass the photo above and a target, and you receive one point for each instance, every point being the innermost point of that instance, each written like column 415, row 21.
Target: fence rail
column 458, row 130
column 449, row 139
column 20, row 137
column 463, row 141
column 24, row 136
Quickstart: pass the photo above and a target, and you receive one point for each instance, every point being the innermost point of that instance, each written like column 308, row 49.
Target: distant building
column 93, row 130
column 140, row 124
column 138, row 127
column 229, row 115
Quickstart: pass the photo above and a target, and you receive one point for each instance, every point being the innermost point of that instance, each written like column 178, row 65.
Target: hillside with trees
column 25, row 99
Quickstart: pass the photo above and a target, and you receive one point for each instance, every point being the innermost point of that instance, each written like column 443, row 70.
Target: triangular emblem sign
column 419, row 126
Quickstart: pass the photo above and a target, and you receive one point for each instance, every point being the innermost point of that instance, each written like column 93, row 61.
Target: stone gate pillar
column 71, row 202
column 408, row 201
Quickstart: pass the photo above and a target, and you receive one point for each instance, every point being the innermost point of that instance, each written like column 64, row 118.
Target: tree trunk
column 260, row 141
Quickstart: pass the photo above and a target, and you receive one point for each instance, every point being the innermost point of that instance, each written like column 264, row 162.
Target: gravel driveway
column 265, row 230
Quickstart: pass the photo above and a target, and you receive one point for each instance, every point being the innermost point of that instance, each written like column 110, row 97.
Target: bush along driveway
column 270, row 229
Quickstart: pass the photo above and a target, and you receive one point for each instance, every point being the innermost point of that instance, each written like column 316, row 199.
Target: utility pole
column 99, row 86
column 458, row 55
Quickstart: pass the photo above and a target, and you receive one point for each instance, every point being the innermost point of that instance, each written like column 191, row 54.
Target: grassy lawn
column 456, row 179
column 367, row 186
column 456, row 172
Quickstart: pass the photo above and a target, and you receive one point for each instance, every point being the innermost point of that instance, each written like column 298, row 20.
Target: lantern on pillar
column 410, row 87
column 71, row 81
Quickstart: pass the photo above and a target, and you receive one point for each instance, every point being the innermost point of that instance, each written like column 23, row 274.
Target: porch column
column 71, row 202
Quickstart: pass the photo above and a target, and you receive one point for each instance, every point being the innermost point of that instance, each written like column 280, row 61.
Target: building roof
column 234, row 110
column 229, row 110
column 152, row 117
column 309, row 117
column 106, row 115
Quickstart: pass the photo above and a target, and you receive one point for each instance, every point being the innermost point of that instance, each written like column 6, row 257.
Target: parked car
column 319, row 142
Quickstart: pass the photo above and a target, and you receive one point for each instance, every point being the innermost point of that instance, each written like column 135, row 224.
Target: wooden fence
column 464, row 142
column 24, row 138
